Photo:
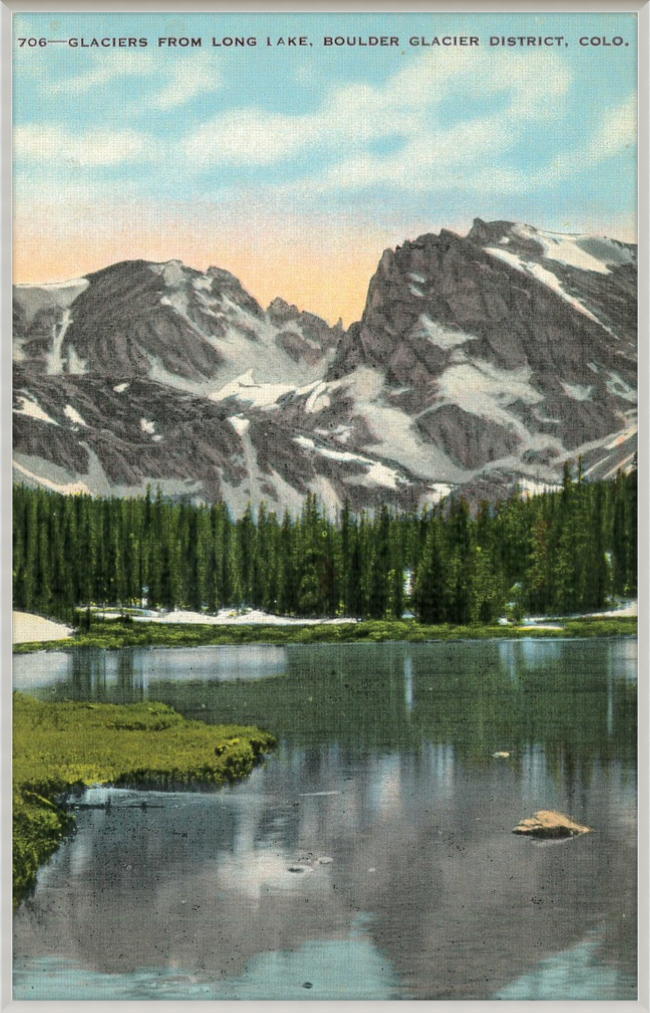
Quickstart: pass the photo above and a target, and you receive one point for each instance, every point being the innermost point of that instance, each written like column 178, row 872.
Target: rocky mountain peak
column 479, row 361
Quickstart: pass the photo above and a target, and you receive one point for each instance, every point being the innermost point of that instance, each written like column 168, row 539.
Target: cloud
column 488, row 122
column 616, row 131
column 194, row 76
column 408, row 111
column 251, row 137
column 53, row 146
column 168, row 88
column 435, row 158
column 106, row 69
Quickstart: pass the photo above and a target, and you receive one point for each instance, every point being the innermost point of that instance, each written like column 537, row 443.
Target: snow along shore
column 624, row 610
column 228, row 617
column 27, row 627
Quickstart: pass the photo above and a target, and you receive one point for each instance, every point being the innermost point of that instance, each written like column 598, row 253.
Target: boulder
column 550, row 824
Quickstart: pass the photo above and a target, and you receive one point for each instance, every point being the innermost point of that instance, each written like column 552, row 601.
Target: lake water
column 385, row 768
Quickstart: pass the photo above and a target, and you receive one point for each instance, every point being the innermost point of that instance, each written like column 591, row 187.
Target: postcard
column 325, row 505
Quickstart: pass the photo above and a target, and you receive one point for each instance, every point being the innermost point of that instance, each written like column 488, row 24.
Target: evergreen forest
column 560, row 552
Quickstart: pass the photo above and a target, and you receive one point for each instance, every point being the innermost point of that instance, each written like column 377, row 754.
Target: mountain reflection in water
column 385, row 765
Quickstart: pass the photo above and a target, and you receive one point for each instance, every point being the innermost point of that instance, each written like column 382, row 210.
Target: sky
column 294, row 167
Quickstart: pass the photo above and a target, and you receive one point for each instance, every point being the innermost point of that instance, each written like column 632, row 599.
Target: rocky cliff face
column 168, row 322
column 479, row 362
column 509, row 348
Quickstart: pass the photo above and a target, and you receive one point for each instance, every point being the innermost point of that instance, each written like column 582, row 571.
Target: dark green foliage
column 563, row 552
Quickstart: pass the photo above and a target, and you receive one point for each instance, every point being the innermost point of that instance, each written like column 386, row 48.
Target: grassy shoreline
column 116, row 633
column 62, row 746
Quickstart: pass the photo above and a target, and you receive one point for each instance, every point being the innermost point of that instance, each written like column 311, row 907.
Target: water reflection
column 577, row 699
column 408, row 682
column 386, row 767
column 575, row 974
column 123, row 676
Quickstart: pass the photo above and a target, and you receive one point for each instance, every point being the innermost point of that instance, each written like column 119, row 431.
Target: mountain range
column 480, row 362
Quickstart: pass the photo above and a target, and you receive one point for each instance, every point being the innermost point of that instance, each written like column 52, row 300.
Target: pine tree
column 287, row 596
column 379, row 575
column 429, row 592
column 459, row 567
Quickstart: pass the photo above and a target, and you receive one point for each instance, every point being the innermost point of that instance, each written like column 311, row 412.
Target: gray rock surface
column 479, row 362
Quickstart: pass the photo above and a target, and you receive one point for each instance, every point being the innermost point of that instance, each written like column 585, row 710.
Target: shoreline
column 142, row 745
column 118, row 633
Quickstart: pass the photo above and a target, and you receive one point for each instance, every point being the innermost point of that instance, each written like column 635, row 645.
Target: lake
column 371, row 855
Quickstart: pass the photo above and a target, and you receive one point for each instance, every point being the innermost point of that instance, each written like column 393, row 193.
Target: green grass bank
column 127, row 633
column 60, row 746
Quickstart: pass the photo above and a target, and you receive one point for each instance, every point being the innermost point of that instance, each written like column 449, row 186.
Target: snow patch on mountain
column 622, row 436
column 623, row 465
column 443, row 337
column 577, row 391
column 33, row 410
column 74, row 416
column 394, row 435
column 67, row 488
column 75, row 364
column 318, row 400
column 543, row 275
column 172, row 271
column 376, row 473
column 379, row 474
column 239, row 424
column 438, row 491
column 54, row 363
column 36, row 470
column 245, row 388
column 617, row 386
column 564, row 248
column 480, row 388
column 341, row 433
column 177, row 301
column 249, row 339
column 32, row 299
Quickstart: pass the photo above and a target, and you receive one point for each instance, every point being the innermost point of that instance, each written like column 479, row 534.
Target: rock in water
column 550, row 824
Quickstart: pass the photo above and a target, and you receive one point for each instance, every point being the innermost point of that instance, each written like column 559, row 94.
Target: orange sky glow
column 321, row 265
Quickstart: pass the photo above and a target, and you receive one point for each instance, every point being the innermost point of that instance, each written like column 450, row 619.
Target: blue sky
column 298, row 165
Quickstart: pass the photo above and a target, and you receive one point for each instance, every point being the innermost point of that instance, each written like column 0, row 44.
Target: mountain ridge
column 479, row 362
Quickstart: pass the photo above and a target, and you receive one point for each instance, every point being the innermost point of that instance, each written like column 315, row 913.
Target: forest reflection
column 576, row 700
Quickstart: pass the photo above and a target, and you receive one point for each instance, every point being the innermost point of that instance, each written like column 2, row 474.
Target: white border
column 7, row 7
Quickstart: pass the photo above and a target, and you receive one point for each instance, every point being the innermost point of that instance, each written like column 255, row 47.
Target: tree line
column 561, row 551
